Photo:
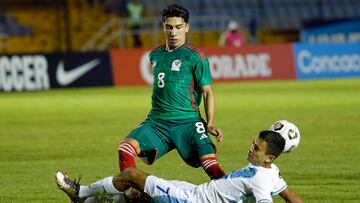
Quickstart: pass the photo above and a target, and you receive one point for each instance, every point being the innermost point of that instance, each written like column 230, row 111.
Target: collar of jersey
column 185, row 43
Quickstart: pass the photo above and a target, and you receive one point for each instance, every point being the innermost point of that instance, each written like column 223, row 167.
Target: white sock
column 102, row 186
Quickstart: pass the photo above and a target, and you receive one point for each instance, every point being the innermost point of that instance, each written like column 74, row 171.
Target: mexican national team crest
column 175, row 66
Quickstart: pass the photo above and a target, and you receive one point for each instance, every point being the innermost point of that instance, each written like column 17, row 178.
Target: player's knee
column 123, row 180
column 130, row 173
column 134, row 143
column 119, row 183
column 128, row 148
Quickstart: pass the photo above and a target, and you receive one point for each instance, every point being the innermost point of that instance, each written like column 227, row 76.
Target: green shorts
column 157, row 137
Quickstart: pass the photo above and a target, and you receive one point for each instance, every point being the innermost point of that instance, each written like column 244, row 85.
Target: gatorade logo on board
column 240, row 66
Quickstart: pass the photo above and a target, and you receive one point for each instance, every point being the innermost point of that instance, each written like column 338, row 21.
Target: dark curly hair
column 175, row 10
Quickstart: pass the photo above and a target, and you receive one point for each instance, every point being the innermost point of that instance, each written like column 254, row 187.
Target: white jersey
column 244, row 185
column 249, row 184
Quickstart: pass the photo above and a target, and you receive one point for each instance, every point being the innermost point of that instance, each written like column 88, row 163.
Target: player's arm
column 290, row 196
column 209, row 106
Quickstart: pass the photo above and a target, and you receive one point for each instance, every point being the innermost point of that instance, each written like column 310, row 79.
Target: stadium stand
column 73, row 25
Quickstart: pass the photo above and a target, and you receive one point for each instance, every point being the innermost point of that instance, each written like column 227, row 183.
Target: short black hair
column 274, row 140
column 175, row 10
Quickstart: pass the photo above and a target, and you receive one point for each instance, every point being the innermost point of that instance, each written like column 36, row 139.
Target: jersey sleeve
column 202, row 71
column 261, row 189
column 279, row 185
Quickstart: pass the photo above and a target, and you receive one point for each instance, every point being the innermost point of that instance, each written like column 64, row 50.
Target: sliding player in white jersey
column 256, row 182
column 246, row 184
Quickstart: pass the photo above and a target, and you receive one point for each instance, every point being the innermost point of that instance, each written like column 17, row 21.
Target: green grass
column 78, row 130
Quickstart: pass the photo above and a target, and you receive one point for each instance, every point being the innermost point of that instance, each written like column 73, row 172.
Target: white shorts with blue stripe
column 169, row 191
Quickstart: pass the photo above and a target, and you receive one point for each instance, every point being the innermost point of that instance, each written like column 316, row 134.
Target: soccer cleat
column 70, row 187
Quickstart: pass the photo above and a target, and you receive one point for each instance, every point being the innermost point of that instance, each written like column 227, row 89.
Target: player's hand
column 216, row 132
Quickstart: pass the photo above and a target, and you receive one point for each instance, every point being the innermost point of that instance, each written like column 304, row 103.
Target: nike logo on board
column 67, row 77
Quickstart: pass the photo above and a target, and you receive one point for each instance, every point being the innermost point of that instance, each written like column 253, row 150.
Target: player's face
column 257, row 153
column 175, row 29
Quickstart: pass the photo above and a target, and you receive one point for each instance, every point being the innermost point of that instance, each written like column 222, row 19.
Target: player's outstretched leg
column 70, row 187
column 102, row 189
column 106, row 189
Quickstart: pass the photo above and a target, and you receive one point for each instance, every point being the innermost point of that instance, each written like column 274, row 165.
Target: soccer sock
column 102, row 186
column 212, row 167
column 127, row 153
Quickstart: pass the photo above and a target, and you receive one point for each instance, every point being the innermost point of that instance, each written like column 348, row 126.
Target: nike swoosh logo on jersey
column 67, row 77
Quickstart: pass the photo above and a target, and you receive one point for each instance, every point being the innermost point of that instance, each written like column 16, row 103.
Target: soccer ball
column 289, row 132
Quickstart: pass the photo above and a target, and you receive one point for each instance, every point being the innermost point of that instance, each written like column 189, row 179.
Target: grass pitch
column 78, row 130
